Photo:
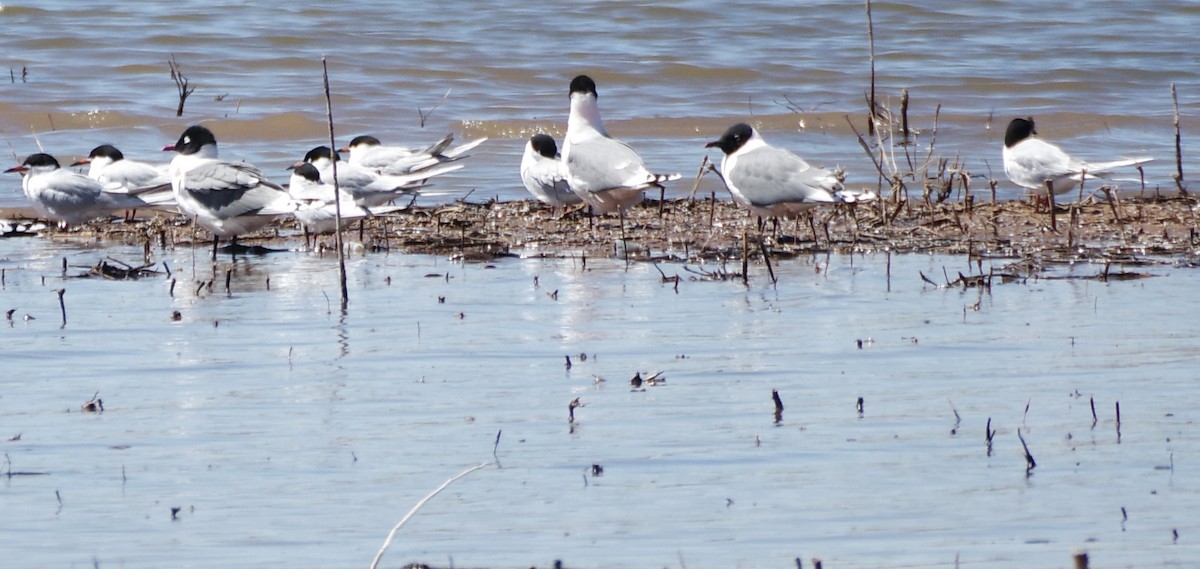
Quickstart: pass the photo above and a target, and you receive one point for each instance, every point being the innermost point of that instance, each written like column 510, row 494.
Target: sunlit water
column 292, row 434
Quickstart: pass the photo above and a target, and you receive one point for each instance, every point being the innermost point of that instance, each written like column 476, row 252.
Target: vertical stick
column 337, row 200
column 762, row 246
column 904, row 113
column 1178, row 146
column 871, row 45
column 63, row 307
column 1050, row 200
column 745, row 259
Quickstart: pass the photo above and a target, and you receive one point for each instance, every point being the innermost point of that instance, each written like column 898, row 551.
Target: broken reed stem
column 866, row 148
column 1112, row 204
column 904, row 114
column 778, row 406
column 1178, row 145
column 337, row 200
column 699, row 175
column 745, row 259
column 767, row 259
column 181, row 84
column 62, row 306
column 871, row 47
column 1030, row 464
column 388, row 542
column 1050, row 200
column 1092, row 401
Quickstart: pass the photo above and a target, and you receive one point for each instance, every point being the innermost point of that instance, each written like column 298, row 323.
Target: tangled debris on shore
column 1134, row 230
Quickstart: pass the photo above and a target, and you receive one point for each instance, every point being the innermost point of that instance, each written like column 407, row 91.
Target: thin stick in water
column 388, row 542
column 1030, row 464
column 1178, row 145
column 63, row 307
column 337, row 200
column 871, row 47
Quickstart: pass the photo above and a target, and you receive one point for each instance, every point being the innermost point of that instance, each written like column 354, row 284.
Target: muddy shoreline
column 1135, row 229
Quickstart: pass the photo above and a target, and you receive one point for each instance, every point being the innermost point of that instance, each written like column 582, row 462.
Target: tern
column 605, row 173
column 367, row 187
column 67, row 196
column 108, row 165
column 227, row 198
column 368, row 152
column 1033, row 163
column 318, row 210
column 773, row 182
column 544, row 174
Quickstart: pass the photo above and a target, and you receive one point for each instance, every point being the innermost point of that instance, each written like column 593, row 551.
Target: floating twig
column 388, row 542
column 93, row 405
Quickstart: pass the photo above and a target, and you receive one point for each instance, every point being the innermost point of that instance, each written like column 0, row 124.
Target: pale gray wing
column 231, row 189
column 127, row 176
column 350, row 177
column 600, row 164
column 432, row 156
column 769, row 176
column 547, row 174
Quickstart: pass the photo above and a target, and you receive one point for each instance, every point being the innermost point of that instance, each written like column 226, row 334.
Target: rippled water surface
column 671, row 76
column 289, row 432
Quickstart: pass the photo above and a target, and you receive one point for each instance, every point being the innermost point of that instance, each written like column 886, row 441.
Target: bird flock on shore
column 231, row 198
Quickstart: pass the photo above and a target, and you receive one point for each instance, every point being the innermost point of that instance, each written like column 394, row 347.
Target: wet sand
column 1135, row 229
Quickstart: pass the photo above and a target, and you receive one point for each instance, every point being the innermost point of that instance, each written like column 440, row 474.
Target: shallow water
column 671, row 77
column 292, row 434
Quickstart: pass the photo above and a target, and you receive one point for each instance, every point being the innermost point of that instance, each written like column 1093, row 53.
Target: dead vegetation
column 710, row 237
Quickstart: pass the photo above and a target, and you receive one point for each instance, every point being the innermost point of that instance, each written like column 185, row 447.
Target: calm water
column 292, row 434
column 671, row 76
